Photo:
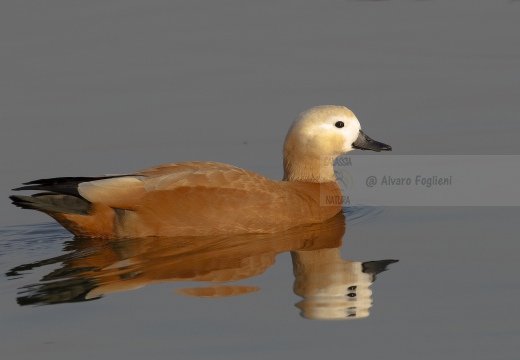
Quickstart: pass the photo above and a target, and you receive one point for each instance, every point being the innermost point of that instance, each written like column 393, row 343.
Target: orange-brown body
column 197, row 198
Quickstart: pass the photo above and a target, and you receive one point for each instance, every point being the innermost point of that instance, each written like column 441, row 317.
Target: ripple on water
column 31, row 237
column 362, row 214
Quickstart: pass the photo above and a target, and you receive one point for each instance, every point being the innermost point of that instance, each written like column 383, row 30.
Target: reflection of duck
column 203, row 198
column 97, row 267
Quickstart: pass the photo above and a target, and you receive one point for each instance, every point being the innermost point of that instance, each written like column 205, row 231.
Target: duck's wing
column 119, row 193
column 129, row 192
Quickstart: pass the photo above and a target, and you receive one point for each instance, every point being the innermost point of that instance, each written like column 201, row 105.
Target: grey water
column 113, row 87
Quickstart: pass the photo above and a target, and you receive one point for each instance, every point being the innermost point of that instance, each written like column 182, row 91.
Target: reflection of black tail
column 64, row 291
column 20, row 269
column 375, row 267
column 49, row 202
column 62, row 285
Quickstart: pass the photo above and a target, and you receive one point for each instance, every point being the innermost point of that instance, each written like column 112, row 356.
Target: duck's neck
column 318, row 170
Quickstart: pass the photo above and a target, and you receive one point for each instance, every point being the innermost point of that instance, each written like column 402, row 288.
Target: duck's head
column 323, row 132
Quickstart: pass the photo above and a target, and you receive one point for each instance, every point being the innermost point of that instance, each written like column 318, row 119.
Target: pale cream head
column 318, row 134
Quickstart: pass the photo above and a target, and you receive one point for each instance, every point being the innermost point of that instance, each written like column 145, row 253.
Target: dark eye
column 339, row 124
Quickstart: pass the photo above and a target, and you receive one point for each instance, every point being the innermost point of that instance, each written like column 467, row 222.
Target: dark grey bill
column 363, row 142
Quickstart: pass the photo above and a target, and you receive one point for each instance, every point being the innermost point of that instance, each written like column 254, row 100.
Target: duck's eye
column 339, row 124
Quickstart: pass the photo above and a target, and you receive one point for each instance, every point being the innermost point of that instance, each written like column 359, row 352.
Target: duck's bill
column 364, row 142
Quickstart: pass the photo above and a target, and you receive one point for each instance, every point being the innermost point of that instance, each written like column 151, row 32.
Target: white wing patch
column 112, row 191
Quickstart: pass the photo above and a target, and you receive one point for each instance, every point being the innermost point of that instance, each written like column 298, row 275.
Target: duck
column 200, row 198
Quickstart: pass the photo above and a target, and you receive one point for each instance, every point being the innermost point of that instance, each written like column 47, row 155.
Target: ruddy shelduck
column 204, row 198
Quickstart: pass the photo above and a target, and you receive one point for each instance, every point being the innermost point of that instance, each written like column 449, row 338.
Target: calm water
column 453, row 293
column 124, row 85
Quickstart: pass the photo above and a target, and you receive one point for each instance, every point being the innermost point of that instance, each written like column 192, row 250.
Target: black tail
column 62, row 185
column 54, row 203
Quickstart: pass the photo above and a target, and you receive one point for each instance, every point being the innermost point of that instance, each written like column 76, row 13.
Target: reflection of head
column 332, row 288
